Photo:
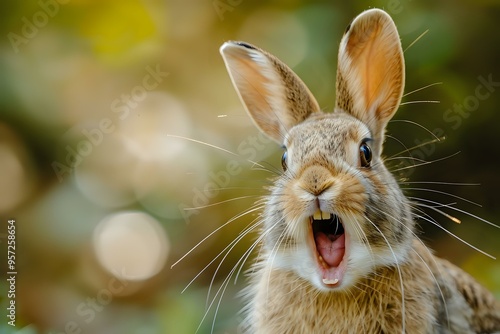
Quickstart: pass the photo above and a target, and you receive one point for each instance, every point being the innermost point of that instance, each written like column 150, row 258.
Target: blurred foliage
column 95, row 97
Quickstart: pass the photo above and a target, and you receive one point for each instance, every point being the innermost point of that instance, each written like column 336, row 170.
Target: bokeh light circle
column 131, row 245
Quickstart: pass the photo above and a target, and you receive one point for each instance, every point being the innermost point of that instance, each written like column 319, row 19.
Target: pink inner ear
column 253, row 78
column 380, row 72
column 371, row 68
column 265, row 85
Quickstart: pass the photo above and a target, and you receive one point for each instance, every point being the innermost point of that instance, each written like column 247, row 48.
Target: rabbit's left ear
column 370, row 73
column 273, row 95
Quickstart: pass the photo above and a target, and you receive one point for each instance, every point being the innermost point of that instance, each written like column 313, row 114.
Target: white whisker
column 227, row 279
column 458, row 238
column 441, row 212
column 273, row 253
column 427, row 162
column 425, row 264
column 401, row 143
column 422, row 88
column 252, row 209
column 445, row 193
column 462, row 211
column 222, row 202
column 415, row 102
column 435, row 140
column 407, row 158
column 227, row 250
column 416, row 124
column 214, row 146
column 416, row 40
column 403, row 315
column 442, row 183
column 434, row 278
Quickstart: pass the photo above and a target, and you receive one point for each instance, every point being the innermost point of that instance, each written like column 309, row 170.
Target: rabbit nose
column 316, row 179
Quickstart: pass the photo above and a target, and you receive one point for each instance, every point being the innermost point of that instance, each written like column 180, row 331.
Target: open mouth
column 330, row 243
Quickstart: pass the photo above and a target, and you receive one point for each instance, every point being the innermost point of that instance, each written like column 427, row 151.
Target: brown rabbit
column 339, row 250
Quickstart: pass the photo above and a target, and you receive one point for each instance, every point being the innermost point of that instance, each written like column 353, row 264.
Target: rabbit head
column 335, row 214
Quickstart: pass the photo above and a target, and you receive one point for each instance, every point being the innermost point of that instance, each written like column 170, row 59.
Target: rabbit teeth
column 330, row 281
column 328, row 223
column 320, row 215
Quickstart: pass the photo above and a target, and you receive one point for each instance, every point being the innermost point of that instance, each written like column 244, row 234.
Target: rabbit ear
column 271, row 92
column 370, row 73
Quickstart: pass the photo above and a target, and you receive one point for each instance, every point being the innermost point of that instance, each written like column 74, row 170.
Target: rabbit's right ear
column 370, row 73
column 273, row 95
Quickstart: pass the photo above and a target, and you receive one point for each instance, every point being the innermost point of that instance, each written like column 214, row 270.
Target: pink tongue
column 331, row 251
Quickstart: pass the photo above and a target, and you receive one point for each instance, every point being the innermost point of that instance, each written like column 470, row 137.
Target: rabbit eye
column 283, row 161
column 365, row 155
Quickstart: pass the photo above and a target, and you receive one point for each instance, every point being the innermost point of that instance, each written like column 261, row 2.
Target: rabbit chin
column 357, row 264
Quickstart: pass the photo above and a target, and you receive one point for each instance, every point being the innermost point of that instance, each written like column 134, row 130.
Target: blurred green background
column 96, row 95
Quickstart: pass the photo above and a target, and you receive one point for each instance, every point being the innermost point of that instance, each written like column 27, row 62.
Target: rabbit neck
column 285, row 303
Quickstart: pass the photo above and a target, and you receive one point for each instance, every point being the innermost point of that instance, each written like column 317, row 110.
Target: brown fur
column 285, row 303
column 371, row 306
column 388, row 281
